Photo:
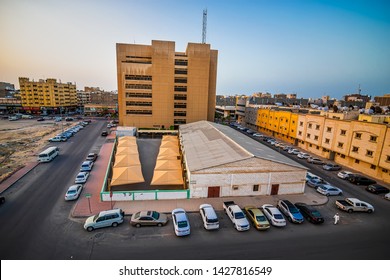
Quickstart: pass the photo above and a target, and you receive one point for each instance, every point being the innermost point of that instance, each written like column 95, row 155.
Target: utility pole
column 204, row 29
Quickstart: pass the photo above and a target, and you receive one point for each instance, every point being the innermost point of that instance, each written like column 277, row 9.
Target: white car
column 328, row 190
column 344, row 174
column 293, row 151
column 181, row 223
column 81, row 178
column 86, row 166
column 387, row 196
column 303, row 155
column 110, row 218
column 209, row 217
column 258, row 135
column 73, row 192
column 274, row 215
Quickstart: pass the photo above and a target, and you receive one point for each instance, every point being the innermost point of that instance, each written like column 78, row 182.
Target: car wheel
column 2, row 200
column 289, row 219
column 90, row 229
column 340, row 193
column 159, row 224
column 138, row 225
column 327, row 194
column 369, row 211
column 350, row 210
column 114, row 224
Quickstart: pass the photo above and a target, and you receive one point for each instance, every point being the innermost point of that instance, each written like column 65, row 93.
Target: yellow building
column 361, row 145
column 160, row 88
column 48, row 94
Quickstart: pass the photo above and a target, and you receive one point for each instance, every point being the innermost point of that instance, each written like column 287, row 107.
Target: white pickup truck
column 236, row 215
column 354, row 205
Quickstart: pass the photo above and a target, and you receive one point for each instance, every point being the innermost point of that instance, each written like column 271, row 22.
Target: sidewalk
column 17, row 175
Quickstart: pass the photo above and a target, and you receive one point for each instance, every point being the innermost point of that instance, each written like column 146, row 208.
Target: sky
column 311, row 48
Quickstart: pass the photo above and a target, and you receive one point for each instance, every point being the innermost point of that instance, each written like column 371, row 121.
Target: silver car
column 181, row 224
column 329, row 190
column 73, row 192
column 110, row 218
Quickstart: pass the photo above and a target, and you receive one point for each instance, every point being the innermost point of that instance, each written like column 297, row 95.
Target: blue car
column 290, row 211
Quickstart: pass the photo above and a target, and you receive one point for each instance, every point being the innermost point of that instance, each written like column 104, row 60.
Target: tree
column 378, row 110
column 335, row 108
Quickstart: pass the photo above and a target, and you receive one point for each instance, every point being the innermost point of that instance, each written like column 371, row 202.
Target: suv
column 209, row 217
column 290, row 211
column 110, row 218
column 360, row 180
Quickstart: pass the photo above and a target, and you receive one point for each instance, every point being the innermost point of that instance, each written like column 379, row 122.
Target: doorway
column 275, row 189
column 213, row 191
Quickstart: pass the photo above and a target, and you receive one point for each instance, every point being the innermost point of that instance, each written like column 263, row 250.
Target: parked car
column 148, row 218
column 86, row 166
column 310, row 213
column 303, row 155
column 377, row 189
column 258, row 135
column 58, row 139
column 69, row 119
column 110, row 218
column 2, row 199
column 209, row 217
column 290, row 211
column 354, row 205
column 344, row 174
column 314, row 160
column 293, row 151
column 331, row 167
column 257, row 217
column 40, row 119
column 315, row 182
column 310, row 176
column 81, row 177
column 387, row 196
column 104, row 133
column 273, row 215
column 236, row 215
column 91, row 157
column 181, row 224
column 74, row 192
column 329, row 190
column 358, row 179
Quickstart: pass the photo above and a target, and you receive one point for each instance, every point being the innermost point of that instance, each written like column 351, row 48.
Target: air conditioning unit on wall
column 234, row 187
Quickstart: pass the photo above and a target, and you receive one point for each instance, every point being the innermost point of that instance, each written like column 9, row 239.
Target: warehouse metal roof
column 209, row 145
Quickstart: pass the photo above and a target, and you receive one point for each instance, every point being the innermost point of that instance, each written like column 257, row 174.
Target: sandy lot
column 21, row 141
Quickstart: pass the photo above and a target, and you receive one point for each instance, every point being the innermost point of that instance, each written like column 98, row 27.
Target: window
column 308, row 135
column 343, row 132
column 180, row 88
column 300, row 133
column 358, row 136
column 310, row 125
column 181, row 71
column 373, row 167
column 387, row 158
column 369, row 153
column 340, row 145
column 355, row 149
column 384, row 170
column 180, row 105
column 373, row 138
column 342, row 156
column 181, row 80
column 357, row 161
column 179, row 114
column 317, row 127
column 255, row 188
column 316, row 137
column 327, row 141
column 328, row 129
column 300, row 123
column 310, row 145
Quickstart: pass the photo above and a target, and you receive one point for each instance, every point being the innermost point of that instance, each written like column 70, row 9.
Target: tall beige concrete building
column 161, row 88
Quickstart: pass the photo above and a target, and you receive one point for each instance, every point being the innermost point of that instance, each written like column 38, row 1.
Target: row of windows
column 180, row 97
column 181, row 114
column 137, row 61
column 181, row 80
column 138, row 112
column 180, row 71
column 181, row 62
column 180, row 105
column 138, row 77
column 179, row 121
column 137, row 86
column 139, row 94
column 138, row 103
column 181, row 88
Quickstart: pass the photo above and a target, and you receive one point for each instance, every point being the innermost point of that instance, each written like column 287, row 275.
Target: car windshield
column 278, row 216
column 80, row 176
column 155, row 215
column 294, row 210
column 260, row 218
column 136, row 215
column 95, row 217
column 71, row 191
column 239, row 215
column 316, row 214
column 182, row 224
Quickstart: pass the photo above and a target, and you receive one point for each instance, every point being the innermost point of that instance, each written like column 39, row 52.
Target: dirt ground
column 21, row 141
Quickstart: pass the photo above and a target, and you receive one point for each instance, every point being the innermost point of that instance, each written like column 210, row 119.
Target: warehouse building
column 221, row 162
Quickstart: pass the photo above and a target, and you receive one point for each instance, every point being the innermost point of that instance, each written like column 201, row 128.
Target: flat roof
column 209, row 145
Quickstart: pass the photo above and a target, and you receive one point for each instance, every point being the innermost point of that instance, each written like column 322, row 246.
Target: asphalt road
column 35, row 224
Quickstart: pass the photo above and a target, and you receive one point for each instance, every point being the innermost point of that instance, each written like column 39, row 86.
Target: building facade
column 47, row 95
column 161, row 88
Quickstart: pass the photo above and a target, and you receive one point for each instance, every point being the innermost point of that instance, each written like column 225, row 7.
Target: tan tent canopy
column 126, row 143
column 126, row 160
column 172, row 138
column 126, row 175
column 167, row 177
column 133, row 150
column 169, row 151
column 169, row 144
column 125, row 138
column 168, row 165
column 167, row 157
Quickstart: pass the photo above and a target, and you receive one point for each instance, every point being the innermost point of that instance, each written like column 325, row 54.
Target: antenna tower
column 204, row 29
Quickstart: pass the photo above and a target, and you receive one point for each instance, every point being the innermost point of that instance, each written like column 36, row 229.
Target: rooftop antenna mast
column 204, row 26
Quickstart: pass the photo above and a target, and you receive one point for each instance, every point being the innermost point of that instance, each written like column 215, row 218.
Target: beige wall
column 157, row 77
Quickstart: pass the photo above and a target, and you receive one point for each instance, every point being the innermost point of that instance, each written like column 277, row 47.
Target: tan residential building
column 47, row 95
column 161, row 88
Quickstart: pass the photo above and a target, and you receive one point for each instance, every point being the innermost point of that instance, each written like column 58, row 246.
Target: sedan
column 344, row 174
column 311, row 214
column 290, row 211
column 360, row 180
column 314, row 160
column 377, row 189
column 91, row 157
column 148, row 218
column 329, row 190
column 315, row 182
column 257, row 217
column 303, row 155
column 274, row 216
column 331, row 167
column 81, row 177
column 104, row 133
column 181, row 223
column 73, row 192
column 293, row 151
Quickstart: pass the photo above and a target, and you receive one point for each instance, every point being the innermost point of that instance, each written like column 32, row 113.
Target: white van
column 48, row 155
